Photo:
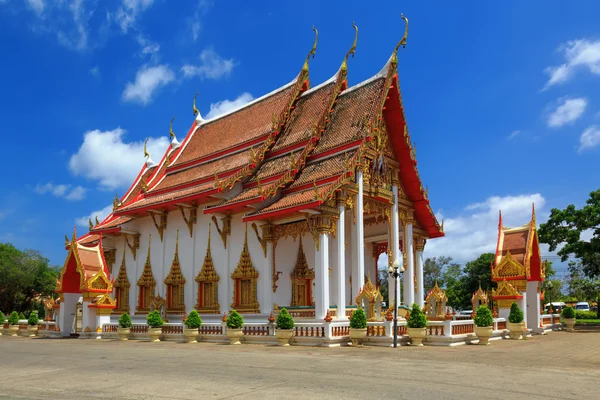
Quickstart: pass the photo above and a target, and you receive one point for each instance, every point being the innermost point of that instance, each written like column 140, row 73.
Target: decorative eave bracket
column 135, row 245
column 161, row 225
column 192, row 217
column 225, row 230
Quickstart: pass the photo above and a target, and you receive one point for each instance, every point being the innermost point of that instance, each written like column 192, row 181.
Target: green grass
column 588, row 321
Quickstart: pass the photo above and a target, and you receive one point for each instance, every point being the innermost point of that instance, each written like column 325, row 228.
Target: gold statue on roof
column 146, row 154
column 312, row 51
column 353, row 48
column 116, row 202
column 402, row 41
column 194, row 109
column 171, row 133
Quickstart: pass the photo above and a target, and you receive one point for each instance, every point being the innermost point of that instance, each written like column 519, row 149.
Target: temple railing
column 463, row 327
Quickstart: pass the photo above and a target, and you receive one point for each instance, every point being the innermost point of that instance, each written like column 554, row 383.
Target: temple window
column 302, row 278
column 208, row 284
column 175, row 284
column 146, row 284
column 244, row 282
column 122, row 288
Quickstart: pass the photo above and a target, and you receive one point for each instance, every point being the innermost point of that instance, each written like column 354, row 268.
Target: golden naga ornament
column 146, row 154
column 312, row 51
column 171, row 133
column 402, row 41
column 352, row 49
column 194, row 109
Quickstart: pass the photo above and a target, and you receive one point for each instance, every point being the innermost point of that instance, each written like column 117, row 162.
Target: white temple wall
column 376, row 230
column 186, row 257
column 533, row 305
column 349, row 255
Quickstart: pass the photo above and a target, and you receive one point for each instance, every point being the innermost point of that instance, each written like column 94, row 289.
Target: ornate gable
column 509, row 268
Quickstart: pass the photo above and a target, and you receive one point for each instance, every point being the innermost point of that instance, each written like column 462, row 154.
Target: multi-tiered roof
column 286, row 153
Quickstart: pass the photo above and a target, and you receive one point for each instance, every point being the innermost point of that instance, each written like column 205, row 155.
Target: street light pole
column 394, row 271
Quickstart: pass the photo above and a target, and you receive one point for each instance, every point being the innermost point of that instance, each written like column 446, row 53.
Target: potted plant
column 483, row 324
column 192, row 323
column 568, row 314
column 235, row 323
column 284, row 325
column 32, row 324
column 416, row 323
column 13, row 324
column 515, row 322
column 154, row 326
column 358, row 326
column 2, row 319
column 124, row 329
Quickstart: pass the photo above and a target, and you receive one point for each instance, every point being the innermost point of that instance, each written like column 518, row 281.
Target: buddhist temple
column 293, row 187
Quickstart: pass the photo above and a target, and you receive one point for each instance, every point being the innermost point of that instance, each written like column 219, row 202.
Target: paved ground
column 558, row 366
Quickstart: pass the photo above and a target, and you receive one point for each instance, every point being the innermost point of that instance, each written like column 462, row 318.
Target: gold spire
column 402, row 41
column 146, row 154
column 207, row 272
column 97, row 222
column 245, row 269
column 171, row 133
column 147, row 278
column 91, row 224
column 175, row 276
column 116, row 202
column 122, row 280
column 352, row 49
column 194, row 109
column 312, row 51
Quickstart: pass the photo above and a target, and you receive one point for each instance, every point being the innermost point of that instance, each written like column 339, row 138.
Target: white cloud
column 127, row 14
column 590, row 138
column 101, row 214
column 475, row 230
column 212, row 66
column 95, row 72
column 514, row 134
column 62, row 190
column 106, row 158
column 225, row 106
column 147, row 80
column 36, row 5
column 579, row 54
column 568, row 111
column 195, row 30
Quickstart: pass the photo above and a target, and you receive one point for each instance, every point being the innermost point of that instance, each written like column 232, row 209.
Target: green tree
column 553, row 288
column 582, row 287
column 453, row 277
column 433, row 271
column 564, row 227
column 476, row 273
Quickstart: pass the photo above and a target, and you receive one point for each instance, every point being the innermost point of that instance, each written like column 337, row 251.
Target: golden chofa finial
column 353, row 48
column 171, row 133
column 312, row 51
column 194, row 109
column 402, row 41
column 146, row 154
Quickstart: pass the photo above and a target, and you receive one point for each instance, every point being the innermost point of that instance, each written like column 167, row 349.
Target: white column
column 341, row 261
column 420, row 297
column 266, row 303
column 358, row 276
column 322, row 276
column 409, row 268
column 394, row 245
column 533, row 305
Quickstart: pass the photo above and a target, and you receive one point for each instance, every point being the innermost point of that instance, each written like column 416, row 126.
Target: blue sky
column 502, row 98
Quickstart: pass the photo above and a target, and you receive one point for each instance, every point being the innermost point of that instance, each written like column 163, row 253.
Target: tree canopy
column 565, row 227
column 23, row 276
column 433, row 271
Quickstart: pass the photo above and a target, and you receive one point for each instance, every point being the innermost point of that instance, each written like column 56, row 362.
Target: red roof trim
column 191, row 183
column 281, row 212
column 319, row 182
column 195, row 196
column 232, row 206
column 287, row 149
column 335, row 150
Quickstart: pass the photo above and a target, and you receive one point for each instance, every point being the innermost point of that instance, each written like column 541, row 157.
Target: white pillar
column 420, row 296
column 341, row 261
column 394, row 245
column 266, row 303
column 409, row 268
column 358, row 276
column 533, row 305
column 322, row 274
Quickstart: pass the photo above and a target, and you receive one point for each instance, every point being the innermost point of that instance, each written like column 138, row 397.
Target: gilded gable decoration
column 508, row 267
column 146, row 284
column 505, row 294
column 122, row 286
column 435, row 303
column 175, row 282
column 302, row 278
column 245, row 279
column 370, row 299
column 109, row 257
column 479, row 298
column 208, row 284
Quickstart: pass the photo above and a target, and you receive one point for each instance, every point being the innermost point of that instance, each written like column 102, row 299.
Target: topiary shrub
column 516, row 315
column 568, row 312
column 33, row 318
column 21, row 315
column 235, row 320
column 484, row 317
column 284, row 320
column 154, row 320
column 13, row 318
column 358, row 320
column 416, row 319
column 2, row 318
column 585, row 314
column 125, row 321
column 193, row 320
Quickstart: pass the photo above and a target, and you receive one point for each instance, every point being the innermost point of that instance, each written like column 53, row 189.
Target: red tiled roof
column 322, row 169
column 292, row 200
column 112, row 224
column 178, row 194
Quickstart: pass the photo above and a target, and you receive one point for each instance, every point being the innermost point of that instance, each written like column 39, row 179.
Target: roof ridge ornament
column 174, row 143
column 149, row 162
column 352, row 49
column 312, row 51
column 402, row 41
column 196, row 112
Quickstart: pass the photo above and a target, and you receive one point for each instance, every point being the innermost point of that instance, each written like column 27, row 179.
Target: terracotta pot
column 235, row 335
column 484, row 333
column 191, row 334
column 32, row 330
column 357, row 334
column 123, row 333
column 417, row 335
column 284, row 336
column 155, row 334
column 570, row 323
column 515, row 330
column 13, row 330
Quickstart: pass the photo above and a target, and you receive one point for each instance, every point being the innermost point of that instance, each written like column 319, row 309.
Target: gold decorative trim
column 161, row 225
column 245, row 279
column 109, row 257
column 263, row 242
column 146, row 283
column 302, row 278
column 190, row 221
column 175, row 282
column 135, row 246
column 208, row 280
column 226, row 230
column 122, row 286
column 508, row 267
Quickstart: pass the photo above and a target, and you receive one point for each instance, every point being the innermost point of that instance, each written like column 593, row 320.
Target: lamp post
column 394, row 271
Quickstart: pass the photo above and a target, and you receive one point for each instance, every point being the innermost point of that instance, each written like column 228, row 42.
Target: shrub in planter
column 13, row 321
column 33, row 318
column 21, row 315
column 483, row 321
column 234, row 322
column 358, row 326
column 192, row 323
column 284, row 324
column 2, row 318
column 154, row 323
column 568, row 314
column 416, row 323
column 515, row 321
column 124, row 328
